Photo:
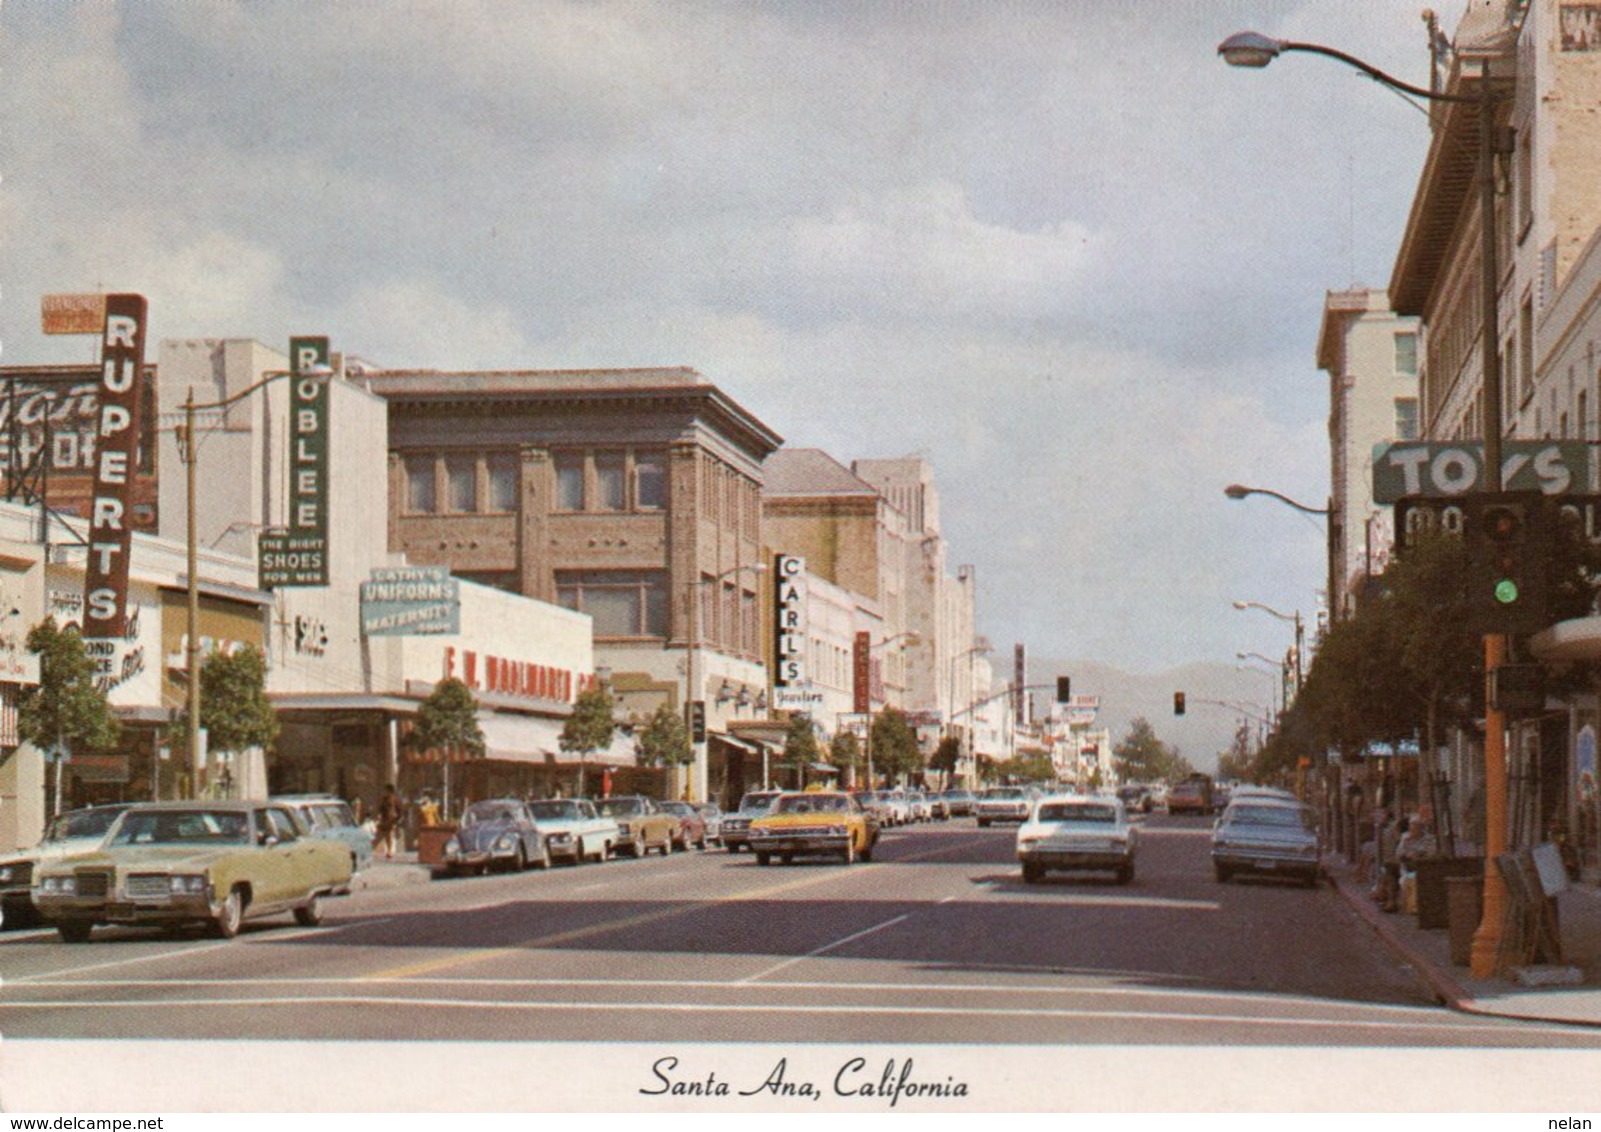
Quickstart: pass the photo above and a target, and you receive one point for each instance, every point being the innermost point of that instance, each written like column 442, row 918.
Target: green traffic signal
column 1506, row 591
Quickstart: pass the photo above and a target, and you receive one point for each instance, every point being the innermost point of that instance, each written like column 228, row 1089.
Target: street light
column 189, row 454
column 1240, row 491
column 1293, row 618
column 1252, row 49
column 691, row 687
column 1283, row 669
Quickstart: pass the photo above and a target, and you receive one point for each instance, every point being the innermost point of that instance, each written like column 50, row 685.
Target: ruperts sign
column 789, row 603
column 105, row 579
column 299, row 557
column 1443, row 471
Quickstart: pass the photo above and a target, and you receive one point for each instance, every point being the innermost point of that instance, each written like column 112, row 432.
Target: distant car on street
column 1192, row 796
column 573, row 830
column 813, row 822
column 712, row 814
column 1003, row 803
column 500, row 833
column 1136, row 798
column 642, row 825
column 958, row 802
column 1267, row 836
column 1070, row 832
column 691, row 825
column 736, row 826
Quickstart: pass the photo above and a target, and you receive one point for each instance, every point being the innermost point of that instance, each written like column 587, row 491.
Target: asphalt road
column 936, row 941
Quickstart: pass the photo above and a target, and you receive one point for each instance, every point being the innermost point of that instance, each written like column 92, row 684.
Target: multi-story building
column 631, row 495
column 1371, row 357
column 1542, row 59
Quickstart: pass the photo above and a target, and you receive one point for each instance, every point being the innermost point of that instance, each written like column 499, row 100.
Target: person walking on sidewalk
column 390, row 813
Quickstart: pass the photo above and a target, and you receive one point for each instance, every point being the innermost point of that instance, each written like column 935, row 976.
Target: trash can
column 1433, row 872
column 1465, row 906
column 431, row 843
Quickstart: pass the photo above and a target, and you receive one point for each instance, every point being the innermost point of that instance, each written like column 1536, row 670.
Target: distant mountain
column 1201, row 733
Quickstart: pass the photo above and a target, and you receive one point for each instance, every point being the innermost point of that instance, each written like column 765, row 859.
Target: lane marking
column 428, row 966
column 827, row 947
column 1249, row 1020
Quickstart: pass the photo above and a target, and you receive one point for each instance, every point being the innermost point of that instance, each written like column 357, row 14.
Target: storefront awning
column 511, row 737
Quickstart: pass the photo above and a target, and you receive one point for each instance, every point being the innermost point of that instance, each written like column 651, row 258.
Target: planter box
column 431, row 843
column 1433, row 907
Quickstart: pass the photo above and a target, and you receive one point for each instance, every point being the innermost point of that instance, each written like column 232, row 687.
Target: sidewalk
column 1428, row 951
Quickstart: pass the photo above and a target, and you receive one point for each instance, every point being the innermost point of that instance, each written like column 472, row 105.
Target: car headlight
column 506, row 843
column 183, row 884
column 560, row 838
column 5, row 874
column 60, row 886
column 622, row 828
column 452, row 847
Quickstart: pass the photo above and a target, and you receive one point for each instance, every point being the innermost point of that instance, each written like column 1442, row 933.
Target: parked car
column 1069, row 832
column 330, row 817
column 712, row 814
column 900, row 807
column 938, row 808
column 917, row 802
column 1003, row 803
column 78, row 831
column 1262, row 835
column 958, row 802
column 876, row 805
column 736, row 826
column 499, row 833
column 573, row 830
column 169, row 864
column 691, row 826
column 812, row 822
column 641, row 824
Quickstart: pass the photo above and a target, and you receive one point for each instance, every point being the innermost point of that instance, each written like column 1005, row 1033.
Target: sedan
column 736, row 826
column 79, row 831
column 641, row 824
column 813, row 822
column 172, row 864
column 573, row 830
column 496, row 834
column 330, row 817
column 712, row 815
column 1266, row 836
column 958, row 802
column 1003, row 803
column 691, row 825
column 1069, row 832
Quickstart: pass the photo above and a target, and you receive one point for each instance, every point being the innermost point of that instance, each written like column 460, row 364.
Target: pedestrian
column 1390, row 864
column 390, row 812
column 427, row 810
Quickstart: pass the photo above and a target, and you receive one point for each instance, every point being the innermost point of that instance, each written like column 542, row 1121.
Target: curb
column 389, row 875
column 1440, row 983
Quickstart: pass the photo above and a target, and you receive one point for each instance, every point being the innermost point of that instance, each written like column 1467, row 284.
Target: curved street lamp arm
column 1240, row 491
column 1374, row 73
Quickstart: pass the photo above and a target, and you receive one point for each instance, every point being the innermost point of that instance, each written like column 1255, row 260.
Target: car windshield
column 812, row 804
column 1289, row 816
column 183, row 827
column 683, row 809
column 83, row 823
column 481, row 813
column 756, row 801
column 554, row 811
column 1073, row 812
column 1005, row 793
column 619, row 807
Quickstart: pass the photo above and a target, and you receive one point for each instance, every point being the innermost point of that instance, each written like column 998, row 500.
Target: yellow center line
column 429, row 966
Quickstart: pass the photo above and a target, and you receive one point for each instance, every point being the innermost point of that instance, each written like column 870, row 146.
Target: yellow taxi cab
column 813, row 822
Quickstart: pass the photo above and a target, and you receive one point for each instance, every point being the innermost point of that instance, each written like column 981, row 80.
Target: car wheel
column 1125, row 874
column 544, row 855
column 1222, row 874
column 867, row 853
column 763, row 858
column 850, row 851
column 1032, row 874
column 982, row 823
column 75, row 931
column 309, row 914
column 701, row 844
column 787, row 858
column 226, row 922
column 519, row 862
column 637, row 849
column 666, row 847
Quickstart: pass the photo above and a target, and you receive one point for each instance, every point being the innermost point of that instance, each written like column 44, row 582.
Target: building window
column 1406, row 418
column 1406, row 353
column 610, row 484
column 624, row 603
column 461, row 483
column 650, row 483
column 569, row 483
column 504, row 482
column 420, row 494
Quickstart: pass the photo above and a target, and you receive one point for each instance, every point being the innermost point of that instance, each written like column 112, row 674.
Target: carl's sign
column 789, row 604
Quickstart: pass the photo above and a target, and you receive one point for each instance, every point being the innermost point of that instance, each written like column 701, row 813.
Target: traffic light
column 1507, row 549
column 697, row 721
column 1178, row 703
column 1064, row 689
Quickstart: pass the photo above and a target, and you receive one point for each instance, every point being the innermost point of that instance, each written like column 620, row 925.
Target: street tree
column 590, row 727
column 896, row 753
column 1142, row 757
column 235, row 713
column 665, row 739
column 447, row 723
column 845, row 751
column 946, row 758
column 800, row 745
column 67, row 710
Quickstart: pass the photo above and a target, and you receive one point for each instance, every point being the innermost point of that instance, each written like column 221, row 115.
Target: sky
column 1060, row 249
